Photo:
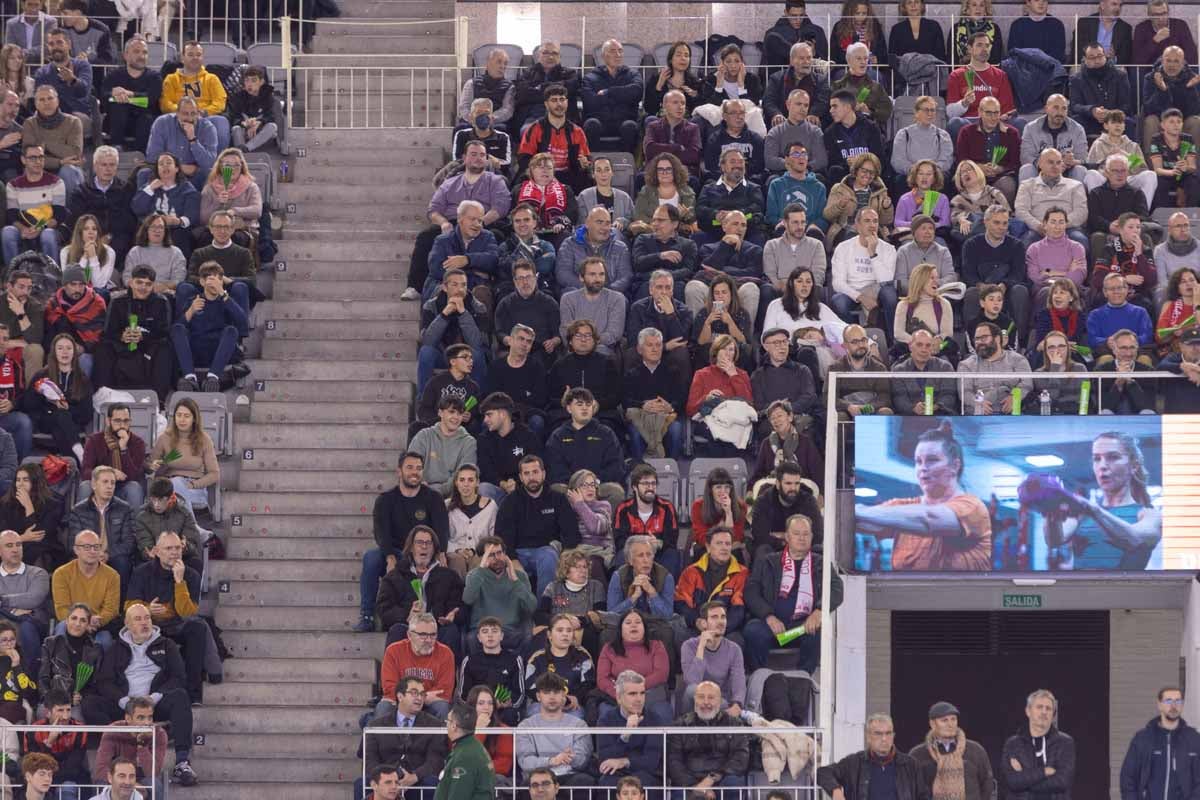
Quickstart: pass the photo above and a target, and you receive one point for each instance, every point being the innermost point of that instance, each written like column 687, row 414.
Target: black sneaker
column 365, row 625
column 212, row 383
column 187, row 385
column 184, row 775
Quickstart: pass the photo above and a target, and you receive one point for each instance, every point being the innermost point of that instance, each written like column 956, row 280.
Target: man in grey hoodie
column 796, row 128
column 595, row 238
column 445, row 446
column 992, row 356
column 567, row 754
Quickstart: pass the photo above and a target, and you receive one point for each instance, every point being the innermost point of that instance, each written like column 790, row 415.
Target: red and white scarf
column 552, row 200
column 804, row 593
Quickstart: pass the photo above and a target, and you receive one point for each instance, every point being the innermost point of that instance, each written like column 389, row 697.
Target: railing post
column 829, row 560
column 463, row 41
column 285, row 39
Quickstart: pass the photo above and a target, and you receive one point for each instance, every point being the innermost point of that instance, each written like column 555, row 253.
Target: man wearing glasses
column 970, row 84
column 120, row 448
column 648, row 514
column 533, row 82
column 451, row 320
column 35, row 196
column 981, row 142
column 1156, row 764
column 87, row 580
column 422, row 656
column 418, row 758
column 1153, row 35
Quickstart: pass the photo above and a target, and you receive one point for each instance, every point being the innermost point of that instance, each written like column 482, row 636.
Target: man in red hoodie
column 421, row 656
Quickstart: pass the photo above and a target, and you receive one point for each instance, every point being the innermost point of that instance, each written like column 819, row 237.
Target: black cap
column 1191, row 336
column 942, row 709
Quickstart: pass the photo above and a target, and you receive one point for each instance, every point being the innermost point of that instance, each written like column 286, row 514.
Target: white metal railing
column 150, row 784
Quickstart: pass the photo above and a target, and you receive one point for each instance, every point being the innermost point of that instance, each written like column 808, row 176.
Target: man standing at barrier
column 1039, row 759
column 961, row 767
column 1151, row 767
column 468, row 774
column 879, row 772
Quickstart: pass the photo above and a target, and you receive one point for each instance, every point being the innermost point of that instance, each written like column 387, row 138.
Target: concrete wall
column 879, row 661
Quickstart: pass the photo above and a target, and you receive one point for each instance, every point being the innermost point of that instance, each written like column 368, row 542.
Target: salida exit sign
column 1024, row 601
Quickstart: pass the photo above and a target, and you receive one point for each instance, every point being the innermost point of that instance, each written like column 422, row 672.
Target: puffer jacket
column 842, row 192
column 118, row 525
column 692, row 756
column 1034, row 77
column 148, row 525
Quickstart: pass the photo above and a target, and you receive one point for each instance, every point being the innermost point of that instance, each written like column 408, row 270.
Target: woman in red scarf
column 230, row 187
column 554, row 200
column 1063, row 313
column 1179, row 312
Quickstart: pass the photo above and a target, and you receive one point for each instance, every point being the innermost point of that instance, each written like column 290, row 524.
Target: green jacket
column 468, row 774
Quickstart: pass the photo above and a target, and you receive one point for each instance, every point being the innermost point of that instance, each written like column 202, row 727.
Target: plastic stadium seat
column 221, row 53
column 752, row 55
column 515, row 55
column 754, row 689
column 624, row 169
column 698, row 474
column 570, row 55
column 217, row 420
column 634, row 54
column 263, row 173
column 670, row 484
column 143, row 411
column 161, row 52
column 661, row 50
column 269, row 55
column 127, row 161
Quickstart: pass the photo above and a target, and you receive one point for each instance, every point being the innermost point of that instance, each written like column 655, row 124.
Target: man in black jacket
column 117, row 522
column 703, row 763
column 128, row 120
column 537, row 524
column 396, row 512
column 1038, row 762
column 655, row 394
column 784, row 592
column 1108, row 201
column 776, row 504
column 791, row 29
column 139, row 318
column 665, row 311
column 895, row 775
column 107, row 197
column 1158, row 758
column 501, row 446
column 1097, row 87
column 662, row 250
column 533, row 81
column 143, row 662
column 419, row 757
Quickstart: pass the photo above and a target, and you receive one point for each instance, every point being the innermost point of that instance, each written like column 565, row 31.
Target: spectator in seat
column 842, row 208
column 1179, row 306
column 1055, row 256
column 71, row 78
column 441, row 588
column 124, row 89
column 1040, row 30
column 630, row 757
column 784, row 592
column 923, row 141
column 251, row 110
column 715, row 577
column 967, row 207
column 648, row 514
column 676, row 76
column 12, row 386
column 974, row 16
column 991, row 309
column 583, row 367
column 1057, row 132
column 602, row 194
column 1126, row 254
column 66, row 416
column 730, row 192
column 1117, row 314
column 654, row 394
column 171, row 591
column 170, row 195
column 666, row 184
column 1159, row 31
column 1062, row 312
column 732, row 81
column 532, row 83
column 139, row 318
column 968, row 85
column 611, row 94
column 491, row 84
column 445, row 446
column 862, row 272
column 706, row 763
column 601, row 307
column 850, row 778
column 193, row 80
column 20, row 691
column 793, row 28
column 980, row 142
column 1114, row 142
column 467, row 531
column 1182, row 396
column 857, row 23
column 799, row 312
column 109, row 515
column 633, row 650
column 39, row 770
column 714, row 657
column 924, row 395
column 1178, row 250
column 923, row 178
column 672, row 132
column 567, row 756
column 208, row 332
column 24, row 319
column 801, row 76
column 504, row 442
column 995, row 257
column 483, row 129
column 126, row 759
column 594, row 240
column 573, row 592
column 999, row 394
column 1064, row 395
column 778, row 377
column 877, row 105
column 775, row 504
column 491, row 191
column 470, row 248
column 36, row 207
column 721, row 381
column 88, row 250
column 522, row 374
column 68, row 750
column 238, row 197
column 144, row 662
column 196, row 468
column 582, row 442
column 735, row 255
column 662, row 252
column 165, row 511
column 864, row 395
column 1097, row 88
column 29, row 29
column 490, row 667
column 418, row 656
column 24, row 591
column 786, row 442
column 733, row 134
column 562, row 139
column 649, row 588
column 30, row 508
column 535, row 524
column 12, row 111
column 385, row 783
column 562, row 657
column 595, row 518
column 1170, row 84
column 454, row 323
column 120, row 448
column 800, row 188
column 108, row 199
column 455, row 381
column 719, row 506
column 153, row 248
column 1116, row 196
column 924, row 248
column 190, row 137
column 395, row 514
column 1173, row 154
column 419, row 759
column 531, row 303
column 1050, row 189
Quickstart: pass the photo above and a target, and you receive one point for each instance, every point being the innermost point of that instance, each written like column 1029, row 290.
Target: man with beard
column 648, row 514
column 37, row 205
column 715, row 577
column 731, row 191
column 502, row 445
column 499, row 588
column 630, row 754
column 1183, row 397
column 595, row 239
column 1099, row 87
column 76, row 309
column 26, row 321
column 880, row 772
column 861, row 395
column 561, row 138
column 12, row 385
column 418, row 757
column 128, row 120
column 960, row 766
column 701, row 763
column 567, row 754
column 526, row 252
column 776, row 504
column 1153, row 766
column 532, row 83
column 1039, row 760
column 602, row 307
column 662, row 250
column 991, row 356
column 583, row 367
column 10, row 135
column 440, row 595
column 418, row 656
column 396, row 512
column 713, row 657
column 70, row 77
column 132, row 353
column 536, row 524
column 1054, row 130
column 521, row 377
column 120, row 448
column 451, row 317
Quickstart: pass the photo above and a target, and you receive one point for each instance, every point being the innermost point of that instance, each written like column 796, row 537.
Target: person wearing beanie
column 75, row 309
column 960, row 766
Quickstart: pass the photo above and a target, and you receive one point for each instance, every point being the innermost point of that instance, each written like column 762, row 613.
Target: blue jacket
column 573, row 251
column 1143, row 770
column 742, row 264
column 183, row 200
column 75, row 98
column 622, row 94
column 483, row 255
column 645, row 753
column 208, row 323
column 1034, row 76
column 167, row 137
column 810, row 193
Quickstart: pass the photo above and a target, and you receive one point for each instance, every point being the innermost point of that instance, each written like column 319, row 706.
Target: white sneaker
column 410, row 294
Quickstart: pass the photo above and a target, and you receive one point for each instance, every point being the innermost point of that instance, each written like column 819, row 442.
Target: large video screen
column 1026, row 494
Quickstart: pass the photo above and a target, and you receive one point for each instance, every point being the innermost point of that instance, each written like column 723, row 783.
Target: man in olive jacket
column 469, row 774
column 959, row 763
column 894, row 774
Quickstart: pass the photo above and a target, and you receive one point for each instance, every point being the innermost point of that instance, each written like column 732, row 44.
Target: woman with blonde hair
column 924, row 309
column 230, row 187
column 974, row 16
column 185, row 454
column 973, row 198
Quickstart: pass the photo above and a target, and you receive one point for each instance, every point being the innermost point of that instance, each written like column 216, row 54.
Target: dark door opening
column 988, row 662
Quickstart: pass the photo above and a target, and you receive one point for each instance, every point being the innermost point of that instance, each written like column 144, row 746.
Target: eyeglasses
column 423, row 634
column 648, row 484
column 583, row 335
column 89, row 547
column 464, row 357
column 589, row 484
column 667, row 170
column 35, row 158
column 1175, row 701
column 541, row 784
column 1048, row 347
column 415, row 692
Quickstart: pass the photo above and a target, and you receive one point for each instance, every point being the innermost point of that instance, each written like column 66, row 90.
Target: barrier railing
column 149, row 786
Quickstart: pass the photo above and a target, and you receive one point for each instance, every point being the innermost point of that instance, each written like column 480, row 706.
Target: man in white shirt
column 863, row 272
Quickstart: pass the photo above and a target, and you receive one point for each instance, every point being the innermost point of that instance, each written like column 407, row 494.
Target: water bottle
column 1044, row 398
column 980, row 398
column 284, row 172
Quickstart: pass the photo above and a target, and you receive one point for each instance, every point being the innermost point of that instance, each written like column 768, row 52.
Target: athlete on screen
column 943, row 529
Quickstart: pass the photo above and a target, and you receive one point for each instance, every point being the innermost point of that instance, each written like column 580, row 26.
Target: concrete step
column 387, row 413
column 440, row 44
column 286, row 618
column 348, row 503
column 340, row 311
column 366, row 461
column 313, row 745
column 399, row 350
column 385, row 24
column 316, row 370
column 414, row 109
column 371, row 78
column 316, row 481
column 343, row 330
column 322, row 161
column 340, row 290
column 298, row 549
column 321, row 670
column 272, row 719
column 245, row 594
column 365, row 437
column 396, row 9
column 350, row 391
column 291, row 693
column 315, row 644
column 215, row 790
column 350, row 215
column 280, row 771
column 299, row 572
column 372, row 268
column 308, row 526
column 334, row 251
column 404, row 178
column 329, row 195
column 300, row 230
column 345, row 141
